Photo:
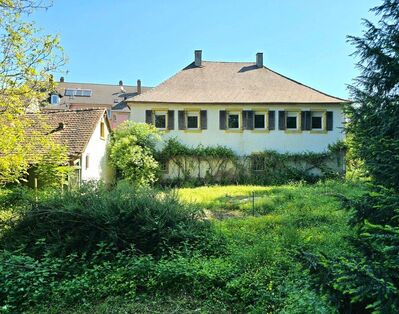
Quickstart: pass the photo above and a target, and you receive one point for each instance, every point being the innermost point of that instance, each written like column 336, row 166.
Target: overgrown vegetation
column 201, row 165
column 246, row 264
column 131, row 151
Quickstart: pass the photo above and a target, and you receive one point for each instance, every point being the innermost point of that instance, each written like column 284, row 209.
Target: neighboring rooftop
column 95, row 94
column 233, row 82
column 72, row 128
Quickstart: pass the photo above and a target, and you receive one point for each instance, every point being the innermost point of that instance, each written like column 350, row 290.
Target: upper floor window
column 317, row 120
column 259, row 121
column 193, row 120
column 292, row 120
column 87, row 161
column 233, row 120
column 102, row 130
column 54, row 99
column 160, row 119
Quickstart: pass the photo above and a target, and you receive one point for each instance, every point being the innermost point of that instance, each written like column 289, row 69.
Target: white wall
column 96, row 150
column 248, row 141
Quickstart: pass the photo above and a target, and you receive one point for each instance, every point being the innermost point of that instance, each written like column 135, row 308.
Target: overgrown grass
column 263, row 268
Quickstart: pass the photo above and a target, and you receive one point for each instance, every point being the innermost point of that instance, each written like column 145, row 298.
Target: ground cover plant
column 248, row 263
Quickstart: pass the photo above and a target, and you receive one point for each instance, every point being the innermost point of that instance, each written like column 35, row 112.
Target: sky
column 110, row 40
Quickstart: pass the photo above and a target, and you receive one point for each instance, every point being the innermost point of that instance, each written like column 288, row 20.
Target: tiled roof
column 72, row 128
column 105, row 95
column 233, row 82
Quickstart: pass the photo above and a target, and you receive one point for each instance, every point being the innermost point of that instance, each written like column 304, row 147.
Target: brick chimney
column 62, row 79
column 259, row 59
column 198, row 58
column 138, row 87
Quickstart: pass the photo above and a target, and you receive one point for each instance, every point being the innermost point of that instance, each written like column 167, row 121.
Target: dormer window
column 54, row 99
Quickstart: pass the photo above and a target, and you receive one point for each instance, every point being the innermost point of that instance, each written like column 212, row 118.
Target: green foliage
column 375, row 113
column 27, row 60
column 252, row 265
column 78, row 221
column 131, row 151
column 280, row 168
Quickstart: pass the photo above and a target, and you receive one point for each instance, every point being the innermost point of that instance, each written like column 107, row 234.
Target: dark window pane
column 233, row 121
column 259, row 121
column 192, row 122
column 316, row 122
column 258, row 164
column 160, row 121
column 291, row 123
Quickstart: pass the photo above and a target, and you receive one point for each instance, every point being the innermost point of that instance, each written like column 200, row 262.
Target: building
column 71, row 96
column 85, row 134
column 243, row 105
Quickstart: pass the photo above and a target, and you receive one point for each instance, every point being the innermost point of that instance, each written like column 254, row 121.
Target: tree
column 27, row 59
column 372, row 280
column 374, row 116
column 131, row 151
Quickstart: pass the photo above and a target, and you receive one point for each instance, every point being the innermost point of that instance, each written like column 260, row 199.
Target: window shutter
column 248, row 119
column 222, row 119
column 329, row 120
column 148, row 116
column 182, row 120
column 272, row 120
column 203, row 119
column 305, row 120
column 281, row 120
column 171, row 119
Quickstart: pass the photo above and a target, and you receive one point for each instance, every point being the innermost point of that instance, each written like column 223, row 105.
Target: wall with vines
column 183, row 165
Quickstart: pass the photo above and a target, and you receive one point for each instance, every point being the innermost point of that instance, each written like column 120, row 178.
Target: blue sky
column 107, row 41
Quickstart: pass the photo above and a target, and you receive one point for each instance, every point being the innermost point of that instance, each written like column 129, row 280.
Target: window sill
column 318, row 132
column 293, row 131
column 193, row 131
column 233, row 131
column 261, row 131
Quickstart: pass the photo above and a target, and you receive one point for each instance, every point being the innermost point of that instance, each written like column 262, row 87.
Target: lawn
column 267, row 263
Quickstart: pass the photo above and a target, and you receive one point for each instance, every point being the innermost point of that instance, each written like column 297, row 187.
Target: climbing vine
column 219, row 164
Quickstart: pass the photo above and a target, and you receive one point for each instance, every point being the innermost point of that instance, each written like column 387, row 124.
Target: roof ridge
column 105, row 84
column 69, row 110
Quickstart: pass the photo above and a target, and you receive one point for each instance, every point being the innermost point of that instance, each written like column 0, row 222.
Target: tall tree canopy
column 27, row 59
column 374, row 116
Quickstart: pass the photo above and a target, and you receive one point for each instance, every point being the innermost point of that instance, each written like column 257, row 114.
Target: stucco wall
column 96, row 150
column 248, row 141
column 118, row 117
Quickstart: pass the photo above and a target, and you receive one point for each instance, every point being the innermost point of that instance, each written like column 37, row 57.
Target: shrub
column 131, row 151
column 124, row 216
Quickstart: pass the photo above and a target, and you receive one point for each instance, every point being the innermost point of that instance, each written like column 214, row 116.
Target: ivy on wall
column 219, row 164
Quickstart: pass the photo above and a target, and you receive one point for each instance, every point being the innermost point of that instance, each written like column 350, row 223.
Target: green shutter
column 272, row 120
column 329, row 120
column 182, row 119
column 171, row 119
column 281, row 120
column 222, row 119
column 204, row 119
column 148, row 116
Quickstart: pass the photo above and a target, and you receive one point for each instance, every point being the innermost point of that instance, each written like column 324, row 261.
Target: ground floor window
column 258, row 163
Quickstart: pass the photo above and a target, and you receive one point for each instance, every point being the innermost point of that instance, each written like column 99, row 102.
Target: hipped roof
column 233, row 83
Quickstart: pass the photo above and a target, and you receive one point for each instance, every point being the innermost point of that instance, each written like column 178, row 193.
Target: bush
column 131, row 151
column 76, row 222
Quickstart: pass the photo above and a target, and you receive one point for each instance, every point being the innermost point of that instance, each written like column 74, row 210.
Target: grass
column 265, row 248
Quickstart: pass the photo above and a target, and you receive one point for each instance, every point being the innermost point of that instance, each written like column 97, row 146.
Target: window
column 233, row 120
column 102, row 129
column 260, row 121
column 54, row 99
column 292, row 120
column 78, row 92
column 87, row 161
column 160, row 120
column 258, row 163
column 192, row 120
column 163, row 166
column 317, row 120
